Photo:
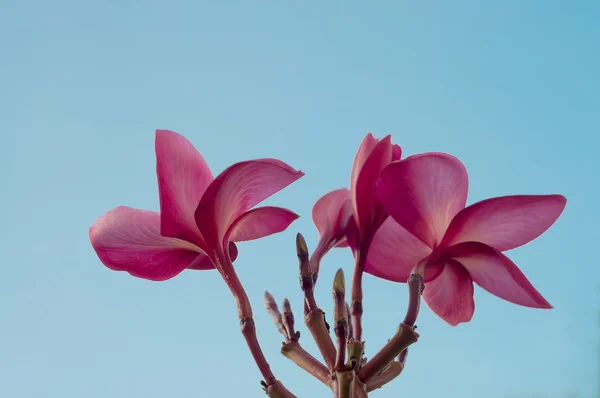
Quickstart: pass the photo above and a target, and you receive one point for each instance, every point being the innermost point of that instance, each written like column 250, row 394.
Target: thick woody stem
column 314, row 317
column 349, row 322
column 244, row 309
column 297, row 354
column 315, row 322
column 390, row 373
column 277, row 390
column 404, row 337
column 340, row 318
column 291, row 348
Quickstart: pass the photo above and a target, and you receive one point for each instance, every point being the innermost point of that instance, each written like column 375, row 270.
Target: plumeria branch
column 404, row 337
column 314, row 317
column 393, row 370
column 291, row 347
column 357, row 293
column 273, row 387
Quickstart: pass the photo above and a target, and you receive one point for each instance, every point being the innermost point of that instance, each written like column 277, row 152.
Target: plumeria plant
column 404, row 220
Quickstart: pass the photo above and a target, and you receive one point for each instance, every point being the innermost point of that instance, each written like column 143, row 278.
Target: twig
column 340, row 317
column 404, row 337
column 291, row 347
column 314, row 317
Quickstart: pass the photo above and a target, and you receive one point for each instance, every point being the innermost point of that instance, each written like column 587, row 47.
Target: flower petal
column 497, row 274
column 394, row 252
column 261, row 222
column 236, row 190
column 127, row 239
column 368, row 211
column 424, row 192
column 183, row 176
column 505, row 222
column 364, row 150
column 332, row 213
column 396, row 152
column 450, row 295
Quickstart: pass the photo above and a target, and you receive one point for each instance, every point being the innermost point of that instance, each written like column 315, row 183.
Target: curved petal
column 261, row 222
column 424, row 192
column 506, row 222
column 368, row 212
column 183, row 176
column 127, row 239
column 394, row 252
column 364, row 150
column 497, row 274
column 332, row 213
column 396, row 152
column 204, row 263
column 236, row 190
column 450, row 295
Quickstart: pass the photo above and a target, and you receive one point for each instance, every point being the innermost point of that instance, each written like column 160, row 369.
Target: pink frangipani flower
column 431, row 231
column 200, row 216
column 352, row 216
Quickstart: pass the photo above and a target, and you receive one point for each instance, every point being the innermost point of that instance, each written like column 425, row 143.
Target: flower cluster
column 405, row 220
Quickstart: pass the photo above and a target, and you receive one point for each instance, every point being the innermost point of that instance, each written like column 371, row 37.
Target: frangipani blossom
column 200, row 216
column 352, row 216
column 455, row 245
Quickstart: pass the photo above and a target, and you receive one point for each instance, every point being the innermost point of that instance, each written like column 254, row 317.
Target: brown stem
column 291, row 348
column 344, row 384
column 244, row 309
column 390, row 373
column 385, row 377
column 314, row 317
column 406, row 334
column 277, row 390
column 359, row 389
column 294, row 351
column 315, row 322
column 357, row 293
column 355, row 353
column 415, row 288
column 404, row 337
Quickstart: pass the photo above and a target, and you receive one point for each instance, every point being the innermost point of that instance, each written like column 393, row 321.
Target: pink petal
column 236, row 190
column 494, row 272
column 332, row 213
column 127, row 239
column 368, row 211
column 424, row 192
column 364, row 150
column 183, row 176
column 506, row 222
column 396, row 152
column 450, row 295
column 261, row 222
column 203, row 263
column 394, row 252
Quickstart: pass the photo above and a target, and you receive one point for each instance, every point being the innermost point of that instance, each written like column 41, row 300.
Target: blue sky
column 509, row 87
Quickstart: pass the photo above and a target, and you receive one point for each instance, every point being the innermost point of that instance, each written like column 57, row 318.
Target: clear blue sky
column 510, row 87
